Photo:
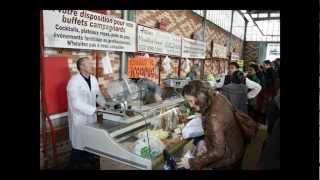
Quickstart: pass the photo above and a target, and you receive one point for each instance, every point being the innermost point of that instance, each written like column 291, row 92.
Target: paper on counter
column 188, row 155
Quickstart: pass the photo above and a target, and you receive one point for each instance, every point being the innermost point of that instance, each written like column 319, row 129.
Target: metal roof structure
column 262, row 25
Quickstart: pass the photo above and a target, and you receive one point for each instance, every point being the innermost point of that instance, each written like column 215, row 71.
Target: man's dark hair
column 195, row 68
column 267, row 62
column 79, row 61
column 238, row 77
column 255, row 67
column 135, row 79
column 234, row 64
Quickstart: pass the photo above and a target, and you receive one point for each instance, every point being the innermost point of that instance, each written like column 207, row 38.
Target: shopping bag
column 193, row 128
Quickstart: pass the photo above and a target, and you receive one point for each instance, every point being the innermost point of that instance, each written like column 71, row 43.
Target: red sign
column 141, row 66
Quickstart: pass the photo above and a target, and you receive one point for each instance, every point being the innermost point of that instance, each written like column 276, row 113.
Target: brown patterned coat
column 223, row 137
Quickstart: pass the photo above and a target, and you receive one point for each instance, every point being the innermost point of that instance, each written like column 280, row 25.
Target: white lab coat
column 255, row 88
column 82, row 106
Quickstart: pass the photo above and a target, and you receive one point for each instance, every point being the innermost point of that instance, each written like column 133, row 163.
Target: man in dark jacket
column 270, row 80
column 233, row 66
column 273, row 112
column 236, row 91
column 151, row 92
column 270, row 156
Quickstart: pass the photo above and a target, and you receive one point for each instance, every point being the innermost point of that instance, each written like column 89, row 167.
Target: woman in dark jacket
column 252, row 103
column 252, row 73
column 222, row 135
column 236, row 91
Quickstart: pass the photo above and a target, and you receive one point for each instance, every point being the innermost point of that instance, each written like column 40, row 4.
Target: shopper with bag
column 223, row 135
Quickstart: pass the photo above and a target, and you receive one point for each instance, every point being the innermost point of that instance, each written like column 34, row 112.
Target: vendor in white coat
column 83, row 94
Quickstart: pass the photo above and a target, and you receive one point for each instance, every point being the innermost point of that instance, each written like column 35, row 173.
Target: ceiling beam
column 262, row 11
column 254, row 22
column 267, row 18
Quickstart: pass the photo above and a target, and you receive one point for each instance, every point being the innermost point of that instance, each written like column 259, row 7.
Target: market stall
column 216, row 67
column 62, row 43
column 130, row 133
column 134, row 134
column 193, row 52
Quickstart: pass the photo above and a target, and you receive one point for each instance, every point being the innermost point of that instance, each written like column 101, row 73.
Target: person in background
column 277, row 69
column 245, row 71
column 194, row 73
column 260, row 74
column 222, row 135
column 252, row 103
column 260, row 100
column 273, row 112
column 151, row 92
column 83, row 93
column 270, row 81
column 254, row 87
column 236, row 91
column 252, row 73
column 270, row 156
column 277, row 66
column 166, row 89
column 233, row 66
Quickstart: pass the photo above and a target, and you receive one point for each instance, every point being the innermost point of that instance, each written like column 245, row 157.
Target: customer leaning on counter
column 222, row 135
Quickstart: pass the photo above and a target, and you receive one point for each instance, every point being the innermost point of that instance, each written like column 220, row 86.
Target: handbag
column 248, row 126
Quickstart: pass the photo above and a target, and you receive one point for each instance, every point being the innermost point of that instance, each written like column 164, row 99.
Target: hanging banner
column 219, row 51
column 141, row 66
column 155, row 41
column 193, row 49
column 81, row 29
column 235, row 56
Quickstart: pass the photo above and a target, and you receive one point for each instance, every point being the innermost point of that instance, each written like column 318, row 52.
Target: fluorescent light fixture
column 275, row 15
column 254, row 15
column 262, row 15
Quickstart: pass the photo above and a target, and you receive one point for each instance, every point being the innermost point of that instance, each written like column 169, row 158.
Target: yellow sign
column 240, row 62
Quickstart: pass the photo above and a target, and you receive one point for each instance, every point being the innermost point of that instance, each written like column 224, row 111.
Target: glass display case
column 134, row 134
